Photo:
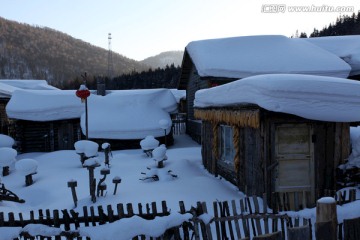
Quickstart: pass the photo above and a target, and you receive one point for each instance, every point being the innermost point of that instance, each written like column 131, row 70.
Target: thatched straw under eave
column 241, row 118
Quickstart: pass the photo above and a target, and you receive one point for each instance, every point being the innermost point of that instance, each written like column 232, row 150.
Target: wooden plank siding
column 34, row 136
column 256, row 171
column 4, row 121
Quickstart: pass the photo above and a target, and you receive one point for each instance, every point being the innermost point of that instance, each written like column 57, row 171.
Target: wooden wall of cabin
column 194, row 84
column 332, row 148
column 34, row 136
column 250, row 176
column 251, row 172
column 4, row 121
column 207, row 155
column 331, row 143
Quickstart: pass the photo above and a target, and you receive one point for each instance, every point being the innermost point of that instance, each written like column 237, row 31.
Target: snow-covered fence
column 247, row 218
column 178, row 123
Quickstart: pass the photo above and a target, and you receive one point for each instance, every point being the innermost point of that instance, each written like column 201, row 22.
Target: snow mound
column 26, row 166
column 89, row 148
column 149, row 142
column 7, row 156
column 159, row 153
column 94, row 161
column 311, row 97
column 6, row 141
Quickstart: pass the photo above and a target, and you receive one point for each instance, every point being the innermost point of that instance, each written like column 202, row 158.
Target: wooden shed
column 264, row 151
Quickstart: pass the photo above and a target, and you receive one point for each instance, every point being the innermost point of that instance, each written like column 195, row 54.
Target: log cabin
column 7, row 87
column 279, row 133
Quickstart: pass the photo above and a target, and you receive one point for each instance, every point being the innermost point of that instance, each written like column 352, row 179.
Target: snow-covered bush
column 6, row 141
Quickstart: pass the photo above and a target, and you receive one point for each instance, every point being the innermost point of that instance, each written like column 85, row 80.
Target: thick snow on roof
column 125, row 114
column 44, row 105
column 178, row 94
column 311, row 97
column 8, row 86
column 346, row 47
column 241, row 57
column 129, row 114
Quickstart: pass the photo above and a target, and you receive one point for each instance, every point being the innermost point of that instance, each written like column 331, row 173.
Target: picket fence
column 246, row 218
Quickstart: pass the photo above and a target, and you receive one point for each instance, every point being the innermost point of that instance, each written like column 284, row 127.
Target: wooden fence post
column 326, row 219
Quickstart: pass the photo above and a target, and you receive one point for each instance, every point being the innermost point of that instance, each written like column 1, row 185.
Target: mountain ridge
column 33, row 52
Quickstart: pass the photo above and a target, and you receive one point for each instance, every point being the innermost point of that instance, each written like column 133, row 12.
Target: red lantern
column 83, row 93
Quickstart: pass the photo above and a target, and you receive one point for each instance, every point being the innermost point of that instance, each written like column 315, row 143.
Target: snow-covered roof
column 129, row 114
column 311, row 97
column 346, row 47
column 240, row 57
column 178, row 94
column 8, row 86
column 125, row 114
column 44, row 105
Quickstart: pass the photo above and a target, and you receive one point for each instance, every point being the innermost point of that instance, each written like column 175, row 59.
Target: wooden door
column 295, row 159
column 65, row 136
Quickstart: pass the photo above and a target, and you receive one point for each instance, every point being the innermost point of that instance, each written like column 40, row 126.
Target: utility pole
column 110, row 60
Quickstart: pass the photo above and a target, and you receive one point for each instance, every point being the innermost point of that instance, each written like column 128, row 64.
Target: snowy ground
column 193, row 184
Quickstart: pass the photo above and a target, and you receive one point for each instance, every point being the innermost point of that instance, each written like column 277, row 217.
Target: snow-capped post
column 164, row 124
column 7, row 158
column 27, row 167
column 91, row 164
column 326, row 219
column 73, row 184
column 116, row 180
column 86, row 149
column 107, row 153
column 83, row 93
column 101, row 187
column 159, row 155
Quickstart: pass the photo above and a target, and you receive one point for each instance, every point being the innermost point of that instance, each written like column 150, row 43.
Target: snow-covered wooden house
column 213, row 62
column 45, row 120
column 55, row 120
column 284, row 133
column 7, row 87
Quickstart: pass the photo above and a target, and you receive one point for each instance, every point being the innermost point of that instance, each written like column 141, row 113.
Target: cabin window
column 226, row 145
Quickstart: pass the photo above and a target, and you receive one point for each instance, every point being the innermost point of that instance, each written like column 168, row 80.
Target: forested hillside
column 164, row 58
column 344, row 25
column 153, row 78
column 42, row 53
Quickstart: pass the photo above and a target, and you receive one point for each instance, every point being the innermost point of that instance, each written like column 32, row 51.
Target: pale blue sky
column 143, row 28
